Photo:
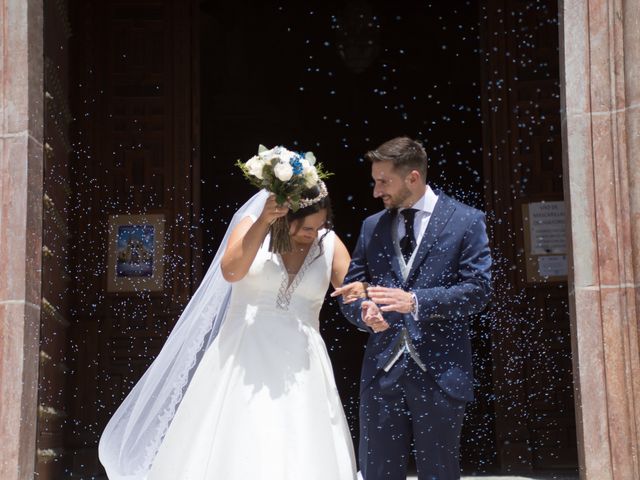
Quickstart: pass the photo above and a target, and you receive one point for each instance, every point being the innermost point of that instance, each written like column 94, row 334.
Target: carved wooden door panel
column 535, row 423
column 137, row 155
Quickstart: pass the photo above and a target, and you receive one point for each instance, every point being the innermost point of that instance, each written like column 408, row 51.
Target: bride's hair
column 322, row 204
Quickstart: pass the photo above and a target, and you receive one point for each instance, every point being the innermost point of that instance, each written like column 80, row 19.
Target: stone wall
column 600, row 61
column 21, row 147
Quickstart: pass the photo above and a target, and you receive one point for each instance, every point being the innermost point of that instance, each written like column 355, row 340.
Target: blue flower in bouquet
column 296, row 164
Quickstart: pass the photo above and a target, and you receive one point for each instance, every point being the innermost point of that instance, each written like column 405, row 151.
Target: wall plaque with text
column 545, row 241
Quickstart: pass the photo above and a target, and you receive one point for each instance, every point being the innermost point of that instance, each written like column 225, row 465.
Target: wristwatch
column 414, row 304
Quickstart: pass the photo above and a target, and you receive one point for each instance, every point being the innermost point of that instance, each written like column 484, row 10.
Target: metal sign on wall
column 545, row 241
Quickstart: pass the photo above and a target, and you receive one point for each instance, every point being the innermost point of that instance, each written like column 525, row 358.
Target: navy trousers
column 404, row 404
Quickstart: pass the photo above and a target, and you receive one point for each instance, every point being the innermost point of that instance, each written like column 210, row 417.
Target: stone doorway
column 599, row 89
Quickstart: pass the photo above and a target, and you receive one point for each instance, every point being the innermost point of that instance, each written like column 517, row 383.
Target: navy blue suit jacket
column 451, row 278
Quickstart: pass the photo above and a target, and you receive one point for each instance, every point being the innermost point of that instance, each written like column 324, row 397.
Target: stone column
column 21, row 157
column 600, row 58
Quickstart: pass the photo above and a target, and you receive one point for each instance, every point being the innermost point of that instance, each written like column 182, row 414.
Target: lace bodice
column 268, row 287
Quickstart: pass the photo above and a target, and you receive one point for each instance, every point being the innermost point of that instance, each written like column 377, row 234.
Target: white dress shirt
column 425, row 206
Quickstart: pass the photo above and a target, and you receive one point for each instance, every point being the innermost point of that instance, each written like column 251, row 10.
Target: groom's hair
column 405, row 153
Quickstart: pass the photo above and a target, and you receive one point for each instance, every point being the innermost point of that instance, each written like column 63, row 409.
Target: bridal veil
column 134, row 434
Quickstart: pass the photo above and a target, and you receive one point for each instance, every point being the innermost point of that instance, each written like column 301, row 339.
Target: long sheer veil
column 132, row 437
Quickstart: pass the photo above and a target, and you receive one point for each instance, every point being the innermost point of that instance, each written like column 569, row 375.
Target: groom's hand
column 392, row 299
column 372, row 317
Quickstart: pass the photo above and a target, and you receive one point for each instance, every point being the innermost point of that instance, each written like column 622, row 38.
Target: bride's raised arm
column 245, row 240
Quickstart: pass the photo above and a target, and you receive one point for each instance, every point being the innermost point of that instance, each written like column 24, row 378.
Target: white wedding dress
column 263, row 403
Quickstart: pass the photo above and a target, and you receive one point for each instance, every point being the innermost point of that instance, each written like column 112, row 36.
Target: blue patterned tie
column 408, row 242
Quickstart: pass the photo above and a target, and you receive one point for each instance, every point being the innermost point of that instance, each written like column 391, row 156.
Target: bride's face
column 305, row 230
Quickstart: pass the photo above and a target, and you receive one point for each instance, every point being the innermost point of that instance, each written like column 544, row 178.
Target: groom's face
column 390, row 185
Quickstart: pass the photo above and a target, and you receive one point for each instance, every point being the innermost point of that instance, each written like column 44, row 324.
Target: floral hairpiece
column 323, row 192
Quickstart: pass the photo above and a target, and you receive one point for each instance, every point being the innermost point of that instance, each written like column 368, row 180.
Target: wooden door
column 136, row 78
column 533, row 390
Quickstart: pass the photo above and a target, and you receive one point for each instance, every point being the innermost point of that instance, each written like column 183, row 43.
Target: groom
column 426, row 257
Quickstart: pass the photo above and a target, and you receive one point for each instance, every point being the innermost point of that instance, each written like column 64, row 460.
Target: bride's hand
column 272, row 210
column 351, row 292
column 372, row 317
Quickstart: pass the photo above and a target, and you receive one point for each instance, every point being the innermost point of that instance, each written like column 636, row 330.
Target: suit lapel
column 383, row 232
column 439, row 218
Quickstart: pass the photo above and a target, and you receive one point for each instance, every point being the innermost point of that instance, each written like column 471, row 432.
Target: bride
column 243, row 388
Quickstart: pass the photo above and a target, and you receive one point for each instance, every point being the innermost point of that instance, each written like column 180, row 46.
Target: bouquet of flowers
column 287, row 174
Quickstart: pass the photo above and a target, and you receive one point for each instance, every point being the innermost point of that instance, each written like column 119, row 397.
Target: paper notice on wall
column 552, row 266
column 547, row 228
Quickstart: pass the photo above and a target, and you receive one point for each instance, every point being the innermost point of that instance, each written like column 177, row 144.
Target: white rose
column 255, row 166
column 311, row 176
column 310, row 157
column 283, row 171
column 305, row 165
column 285, row 154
